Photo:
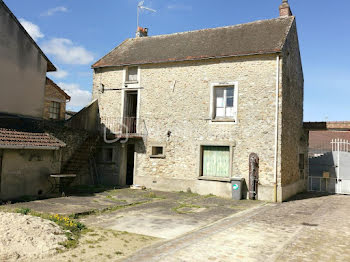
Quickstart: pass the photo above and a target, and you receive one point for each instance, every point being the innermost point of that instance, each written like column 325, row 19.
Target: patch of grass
column 153, row 195
column 184, row 205
column 23, row 210
column 118, row 253
column 209, row 195
column 107, row 209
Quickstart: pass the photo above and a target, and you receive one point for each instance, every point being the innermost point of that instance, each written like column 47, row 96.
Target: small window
column 215, row 161
column 157, row 151
column 132, row 74
column 108, row 154
column 54, row 110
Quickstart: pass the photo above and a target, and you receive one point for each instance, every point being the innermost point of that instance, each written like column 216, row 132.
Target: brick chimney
column 141, row 32
column 285, row 9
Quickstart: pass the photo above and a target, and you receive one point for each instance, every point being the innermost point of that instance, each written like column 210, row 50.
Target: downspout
column 276, row 126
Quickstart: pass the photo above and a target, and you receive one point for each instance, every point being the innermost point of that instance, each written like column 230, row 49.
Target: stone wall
column 52, row 94
column 175, row 97
column 26, row 172
column 294, row 137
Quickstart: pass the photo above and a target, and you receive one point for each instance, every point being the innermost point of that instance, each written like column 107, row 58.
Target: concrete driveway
column 158, row 214
column 311, row 229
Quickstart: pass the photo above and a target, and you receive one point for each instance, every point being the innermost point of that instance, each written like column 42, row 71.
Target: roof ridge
column 213, row 28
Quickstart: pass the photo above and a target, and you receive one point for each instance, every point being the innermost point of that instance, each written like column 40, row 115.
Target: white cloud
column 79, row 97
column 181, row 7
column 32, row 29
column 52, row 11
column 65, row 51
column 59, row 74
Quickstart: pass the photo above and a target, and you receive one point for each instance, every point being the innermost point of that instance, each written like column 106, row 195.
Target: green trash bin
column 236, row 186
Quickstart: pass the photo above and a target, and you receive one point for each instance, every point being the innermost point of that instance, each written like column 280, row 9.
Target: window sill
column 219, row 179
column 157, row 156
column 131, row 82
column 224, row 120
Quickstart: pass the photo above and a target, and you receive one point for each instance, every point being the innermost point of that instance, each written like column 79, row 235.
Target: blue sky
column 76, row 33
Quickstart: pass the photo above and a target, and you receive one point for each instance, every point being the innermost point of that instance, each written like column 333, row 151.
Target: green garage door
column 216, row 161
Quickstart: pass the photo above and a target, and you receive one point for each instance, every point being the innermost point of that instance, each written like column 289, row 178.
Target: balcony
column 123, row 127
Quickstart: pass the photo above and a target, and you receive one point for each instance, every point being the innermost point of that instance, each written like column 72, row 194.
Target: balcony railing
column 125, row 127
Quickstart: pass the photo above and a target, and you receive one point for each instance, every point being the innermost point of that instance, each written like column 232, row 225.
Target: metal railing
column 123, row 126
column 321, row 184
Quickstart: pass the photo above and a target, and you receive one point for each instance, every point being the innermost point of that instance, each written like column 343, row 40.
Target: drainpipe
column 276, row 126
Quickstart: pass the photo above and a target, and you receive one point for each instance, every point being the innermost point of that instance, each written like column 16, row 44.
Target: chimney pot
column 285, row 9
column 141, row 32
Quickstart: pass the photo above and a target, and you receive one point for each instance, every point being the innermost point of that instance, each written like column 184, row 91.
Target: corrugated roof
column 260, row 37
column 28, row 140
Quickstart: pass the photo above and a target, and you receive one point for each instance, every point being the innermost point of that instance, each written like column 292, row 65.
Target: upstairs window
column 54, row 110
column 132, row 74
column 224, row 102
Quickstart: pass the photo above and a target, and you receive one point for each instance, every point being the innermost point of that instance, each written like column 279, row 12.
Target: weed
column 23, row 210
column 184, row 205
column 118, row 253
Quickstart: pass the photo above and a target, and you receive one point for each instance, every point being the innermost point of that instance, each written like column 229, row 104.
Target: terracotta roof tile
column 17, row 139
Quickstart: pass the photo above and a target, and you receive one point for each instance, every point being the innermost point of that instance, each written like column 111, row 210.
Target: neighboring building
column 23, row 68
column 329, row 156
column 196, row 104
column 28, row 155
column 55, row 101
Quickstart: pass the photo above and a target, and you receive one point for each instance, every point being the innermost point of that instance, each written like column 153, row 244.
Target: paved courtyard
column 190, row 227
column 312, row 229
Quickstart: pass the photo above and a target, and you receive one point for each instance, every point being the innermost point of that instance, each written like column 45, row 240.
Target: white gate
column 330, row 171
column 342, row 157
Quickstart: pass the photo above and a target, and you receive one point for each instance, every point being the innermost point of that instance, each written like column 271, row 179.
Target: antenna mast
column 139, row 7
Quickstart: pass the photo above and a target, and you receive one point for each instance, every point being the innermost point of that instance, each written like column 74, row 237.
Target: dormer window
column 132, row 74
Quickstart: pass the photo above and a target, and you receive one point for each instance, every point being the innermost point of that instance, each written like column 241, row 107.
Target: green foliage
column 23, row 210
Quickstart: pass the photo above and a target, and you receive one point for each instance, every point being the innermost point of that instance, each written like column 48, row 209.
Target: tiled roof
column 330, row 125
column 260, row 37
column 28, row 140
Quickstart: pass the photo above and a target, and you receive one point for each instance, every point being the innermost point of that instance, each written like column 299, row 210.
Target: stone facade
column 54, row 94
column 174, row 101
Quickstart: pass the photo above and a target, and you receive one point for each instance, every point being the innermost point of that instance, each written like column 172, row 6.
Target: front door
column 130, row 111
column 130, row 164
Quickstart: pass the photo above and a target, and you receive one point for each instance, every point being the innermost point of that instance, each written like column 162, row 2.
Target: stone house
column 55, row 101
column 190, row 108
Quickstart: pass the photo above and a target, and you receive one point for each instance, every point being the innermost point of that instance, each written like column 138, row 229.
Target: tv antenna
column 140, row 7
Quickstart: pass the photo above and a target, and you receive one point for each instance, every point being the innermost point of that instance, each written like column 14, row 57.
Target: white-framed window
column 54, row 110
column 224, row 99
column 132, row 74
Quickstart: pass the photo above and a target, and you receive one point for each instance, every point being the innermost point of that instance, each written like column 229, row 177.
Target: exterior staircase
column 81, row 162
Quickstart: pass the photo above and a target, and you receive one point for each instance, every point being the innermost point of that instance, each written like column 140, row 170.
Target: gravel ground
column 24, row 238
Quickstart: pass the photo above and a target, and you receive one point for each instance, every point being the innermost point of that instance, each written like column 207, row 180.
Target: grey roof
column 260, row 37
